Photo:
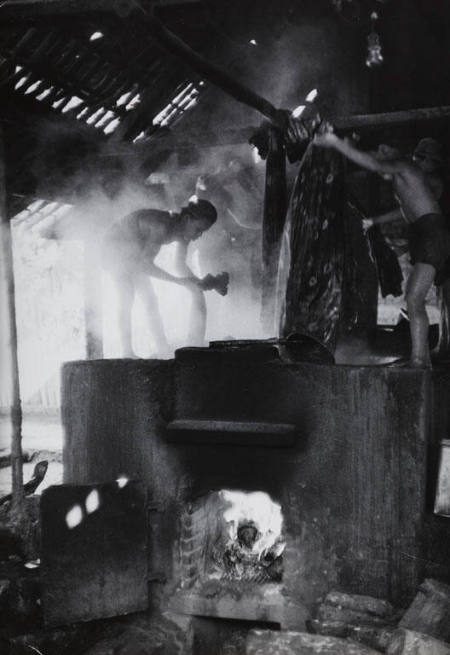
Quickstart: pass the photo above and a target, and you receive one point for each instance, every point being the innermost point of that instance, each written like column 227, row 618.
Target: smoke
column 104, row 182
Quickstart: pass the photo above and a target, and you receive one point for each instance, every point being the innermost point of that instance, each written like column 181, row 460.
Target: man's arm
column 217, row 282
column 181, row 261
column 364, row 159
column 393, row 215
column 155, row 271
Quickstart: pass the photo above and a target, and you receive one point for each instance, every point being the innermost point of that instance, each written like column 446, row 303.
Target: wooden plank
column 239, row 433
column 442, row 500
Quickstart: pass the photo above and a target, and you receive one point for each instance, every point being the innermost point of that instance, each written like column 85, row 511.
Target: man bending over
column 130, row 247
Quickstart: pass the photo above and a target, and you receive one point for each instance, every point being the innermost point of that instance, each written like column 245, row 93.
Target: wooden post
column 16, row 405
column 275, row 207
column 92, row 302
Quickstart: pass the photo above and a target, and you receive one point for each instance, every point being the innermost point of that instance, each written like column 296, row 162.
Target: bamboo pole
column 275, row 207
column 391, row 118
column 16, row 404
column 92, row 302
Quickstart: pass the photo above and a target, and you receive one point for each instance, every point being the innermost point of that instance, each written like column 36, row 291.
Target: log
column 349, row 616
column 377, row 638
column 359, row 603
column 430, row 611
column 409, row 642
column 268, row 642
column 442, row 499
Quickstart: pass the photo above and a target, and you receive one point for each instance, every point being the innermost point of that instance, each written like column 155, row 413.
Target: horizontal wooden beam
column 235, row 136
column 23, row 8
column 391, row 118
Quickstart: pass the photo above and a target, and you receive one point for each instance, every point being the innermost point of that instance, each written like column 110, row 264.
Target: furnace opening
column 232, row 538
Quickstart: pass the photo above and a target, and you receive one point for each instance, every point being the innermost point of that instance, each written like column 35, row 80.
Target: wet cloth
column 429, row 243
column 388, row 269
column 311, row 271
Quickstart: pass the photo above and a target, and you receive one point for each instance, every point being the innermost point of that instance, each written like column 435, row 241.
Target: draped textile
column 310, row 276
column 329, row 271
column 389, row 272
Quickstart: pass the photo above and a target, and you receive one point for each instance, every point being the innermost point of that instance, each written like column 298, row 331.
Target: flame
column 258, row 507
column 312, row 95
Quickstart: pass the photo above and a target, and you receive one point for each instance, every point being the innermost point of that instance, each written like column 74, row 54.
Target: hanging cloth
column 310, row 273
column 389, row 272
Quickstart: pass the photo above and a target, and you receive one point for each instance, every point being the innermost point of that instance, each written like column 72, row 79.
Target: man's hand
column 326, row 140
column 367, row 223
column 222, row 281
column 217, row 282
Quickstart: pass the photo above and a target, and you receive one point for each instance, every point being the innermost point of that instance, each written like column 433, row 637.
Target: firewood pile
column 349, row 624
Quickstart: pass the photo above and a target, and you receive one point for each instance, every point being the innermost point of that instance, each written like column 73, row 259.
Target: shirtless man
column 130, row 247
column 417, row 190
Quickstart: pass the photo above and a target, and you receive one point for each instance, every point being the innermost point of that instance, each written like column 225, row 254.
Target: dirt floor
column 42, row 439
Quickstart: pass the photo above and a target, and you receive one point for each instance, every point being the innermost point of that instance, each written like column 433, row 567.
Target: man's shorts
column 429, row 243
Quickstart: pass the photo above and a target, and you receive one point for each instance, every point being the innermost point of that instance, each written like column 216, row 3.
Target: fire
column 262, row 511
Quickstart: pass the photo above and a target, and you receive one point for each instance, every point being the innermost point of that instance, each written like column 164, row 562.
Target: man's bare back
column 136, row 239
column 414, row 192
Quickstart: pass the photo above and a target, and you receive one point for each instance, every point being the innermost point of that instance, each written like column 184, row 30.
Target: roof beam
column 391, row 118
column 29, row 8
column 26, row 8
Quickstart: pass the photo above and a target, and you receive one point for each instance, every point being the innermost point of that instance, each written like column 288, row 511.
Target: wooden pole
column 16, row 404
column 391, row 118
column 275, row 207
column 92, row 302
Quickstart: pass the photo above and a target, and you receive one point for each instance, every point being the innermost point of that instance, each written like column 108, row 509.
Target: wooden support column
column 93, row 319
column 16, row 404
column 275, row 206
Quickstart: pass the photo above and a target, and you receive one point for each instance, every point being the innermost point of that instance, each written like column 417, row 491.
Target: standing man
column 417, row 189
column 130, row 247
